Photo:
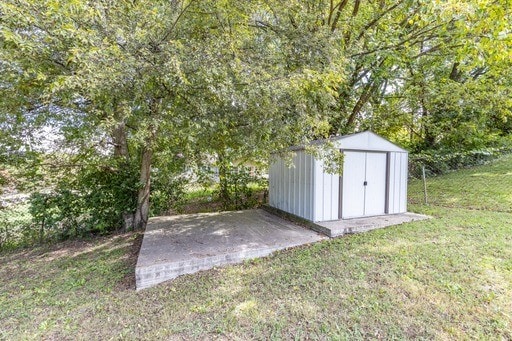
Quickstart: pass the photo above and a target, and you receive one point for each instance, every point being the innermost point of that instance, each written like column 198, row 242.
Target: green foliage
column 331, row 156
column 92, row 201
column 438, row 162
column 448, row 277
column 168, row 181
column 16, row 227
column 3, row 181
column 486, row 187
column 238, row 186
column 168, row 192
column 194, row 77
column 244, row 78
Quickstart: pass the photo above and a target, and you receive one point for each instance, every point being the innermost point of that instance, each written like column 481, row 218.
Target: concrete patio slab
column 177, row 245
column 337, row 228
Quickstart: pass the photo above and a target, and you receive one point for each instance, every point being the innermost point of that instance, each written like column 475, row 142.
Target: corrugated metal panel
column 326, row 194
column 403, row 182
column 286, row 187
column 294, row 185
column 290, row 187
column 353, row 191
column 397, row 199
column 393, row 177
column 396, row 189
column 307, row 202
column 297, row 185
column 392, row 183
column 318, row 190
column 375, row 190
column 335, row 196
column 271, row 183
column 364, row 184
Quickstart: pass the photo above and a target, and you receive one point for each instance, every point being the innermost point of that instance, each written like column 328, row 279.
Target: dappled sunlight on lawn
column 442, row 278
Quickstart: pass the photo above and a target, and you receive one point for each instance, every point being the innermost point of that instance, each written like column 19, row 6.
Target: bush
column 93, row 201
column 235, row 190
column 16, row 227
column 167, row 192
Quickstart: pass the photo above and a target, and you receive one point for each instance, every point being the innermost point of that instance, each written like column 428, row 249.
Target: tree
column 398, row 53
column 150, row 77
column 98, row 68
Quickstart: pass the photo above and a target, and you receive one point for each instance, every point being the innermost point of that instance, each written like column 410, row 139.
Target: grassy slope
column 487, row 187
column 449, row 277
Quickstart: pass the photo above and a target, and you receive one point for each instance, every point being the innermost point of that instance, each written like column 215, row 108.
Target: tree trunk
column 368, row 90
column 122, row 155
column 223, row 180
column 429, row 139
column 119, row 140
column 142, row 212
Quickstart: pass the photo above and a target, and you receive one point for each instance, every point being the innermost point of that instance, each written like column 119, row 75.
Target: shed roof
column 365, row 140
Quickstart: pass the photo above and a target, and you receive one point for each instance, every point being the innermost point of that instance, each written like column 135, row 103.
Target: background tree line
column 136, row 92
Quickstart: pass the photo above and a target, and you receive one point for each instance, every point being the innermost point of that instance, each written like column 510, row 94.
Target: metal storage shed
column 374, row 181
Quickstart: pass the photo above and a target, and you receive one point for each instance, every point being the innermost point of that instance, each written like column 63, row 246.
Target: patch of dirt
column 200, row 205
column 128, row 282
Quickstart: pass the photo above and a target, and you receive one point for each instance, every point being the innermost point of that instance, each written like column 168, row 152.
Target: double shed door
column 363, row 191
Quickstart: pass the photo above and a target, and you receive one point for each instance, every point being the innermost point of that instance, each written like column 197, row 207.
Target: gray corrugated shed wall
column 398, row 173
column 291, row 188
column 326, row 205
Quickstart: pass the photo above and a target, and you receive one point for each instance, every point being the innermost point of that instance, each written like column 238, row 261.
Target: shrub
column 92, row 201
column 167, row 192
column 16, row 227
column 235, row 190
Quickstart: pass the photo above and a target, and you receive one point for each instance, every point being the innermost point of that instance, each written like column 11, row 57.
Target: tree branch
column 376, row 19
column 340, row 7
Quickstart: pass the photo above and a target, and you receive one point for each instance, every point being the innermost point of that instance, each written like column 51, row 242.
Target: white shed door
column 375, row 189
column 364, row 184
column 352, row 199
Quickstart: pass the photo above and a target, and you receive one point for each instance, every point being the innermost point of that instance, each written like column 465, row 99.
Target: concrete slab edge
column 298, row 220
column 366, row 228
column 149, row 276
column 331, row 233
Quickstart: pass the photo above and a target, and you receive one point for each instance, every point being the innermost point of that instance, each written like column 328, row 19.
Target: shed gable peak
column 366, row 140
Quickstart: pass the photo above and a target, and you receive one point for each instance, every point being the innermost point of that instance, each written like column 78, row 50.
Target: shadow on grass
column 108, row 262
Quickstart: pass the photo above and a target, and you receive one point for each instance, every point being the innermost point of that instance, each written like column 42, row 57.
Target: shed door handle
column 365, row 183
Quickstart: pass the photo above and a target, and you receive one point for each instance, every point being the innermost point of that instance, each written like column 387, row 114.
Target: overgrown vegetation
column 15, row 227
column 437, row 162
column 98, row 200
column 237, row 188
column 449, row 277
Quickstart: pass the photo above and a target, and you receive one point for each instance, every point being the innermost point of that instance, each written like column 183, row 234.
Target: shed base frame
column 336, row 228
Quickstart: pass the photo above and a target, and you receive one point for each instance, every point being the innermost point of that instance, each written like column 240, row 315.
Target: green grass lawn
column 446, row 278
column 487, row 187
